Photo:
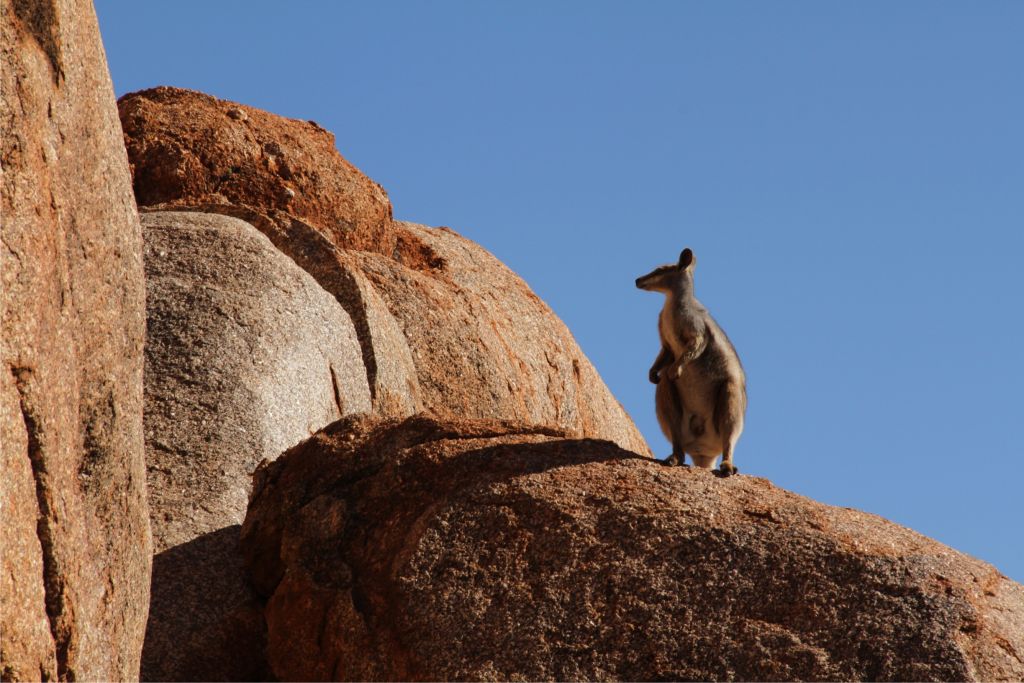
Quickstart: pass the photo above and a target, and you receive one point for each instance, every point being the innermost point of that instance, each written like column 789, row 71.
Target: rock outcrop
column 246, row 355
column 443, row 325
column 485, row 346
column 518, row 533
column 76, row 553
column 487, row 550
column 191, row 149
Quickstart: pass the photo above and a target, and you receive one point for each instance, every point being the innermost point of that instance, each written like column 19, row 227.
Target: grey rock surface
column 246, row 356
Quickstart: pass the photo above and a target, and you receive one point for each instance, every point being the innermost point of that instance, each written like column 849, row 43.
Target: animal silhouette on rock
column 701, row 395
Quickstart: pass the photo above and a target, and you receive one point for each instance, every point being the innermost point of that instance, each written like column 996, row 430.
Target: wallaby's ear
column 686, row 259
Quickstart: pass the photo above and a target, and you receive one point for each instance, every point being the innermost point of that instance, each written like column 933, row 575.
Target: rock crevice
column 52, row 591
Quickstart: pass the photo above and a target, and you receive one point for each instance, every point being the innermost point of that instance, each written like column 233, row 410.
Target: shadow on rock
column 204, row 624
column 436, row 549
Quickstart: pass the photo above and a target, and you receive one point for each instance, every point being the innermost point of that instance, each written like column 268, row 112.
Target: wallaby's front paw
column 727, row 469
column 674, row 460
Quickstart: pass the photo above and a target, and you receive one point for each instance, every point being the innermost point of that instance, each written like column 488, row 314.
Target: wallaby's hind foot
column 729, row 410
column 727, row 469
column 674, row 460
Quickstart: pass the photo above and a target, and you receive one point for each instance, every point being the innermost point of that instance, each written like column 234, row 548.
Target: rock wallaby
column 701, row 396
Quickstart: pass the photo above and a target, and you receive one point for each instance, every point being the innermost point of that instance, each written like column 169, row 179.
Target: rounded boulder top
column 190, row 149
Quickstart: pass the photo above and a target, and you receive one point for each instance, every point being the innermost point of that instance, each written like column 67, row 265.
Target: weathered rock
column 390, row 370
column 75, row 564
column 188, row 148
column 27, row 649
column 246, row 356
column 464, row 337
column 467, row 550
column 443, row 325
column 485, row 346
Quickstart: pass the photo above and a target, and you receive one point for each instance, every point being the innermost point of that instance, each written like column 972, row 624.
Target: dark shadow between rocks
column 490, row 464
column 204, row 623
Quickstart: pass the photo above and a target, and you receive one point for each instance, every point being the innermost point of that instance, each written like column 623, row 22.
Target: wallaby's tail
column 705, row 461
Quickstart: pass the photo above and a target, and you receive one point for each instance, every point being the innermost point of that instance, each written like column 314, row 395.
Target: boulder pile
column 268, row 432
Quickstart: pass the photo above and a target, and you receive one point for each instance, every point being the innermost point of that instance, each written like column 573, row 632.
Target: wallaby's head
column 669, row 278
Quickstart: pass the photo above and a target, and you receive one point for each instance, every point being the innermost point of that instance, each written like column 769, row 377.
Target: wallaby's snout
column 655, row 281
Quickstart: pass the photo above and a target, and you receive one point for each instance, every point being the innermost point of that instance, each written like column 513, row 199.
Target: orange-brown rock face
column 75, row 564
column 190, row 149
column 485, row 346
column 443, row 325
column 485, row 550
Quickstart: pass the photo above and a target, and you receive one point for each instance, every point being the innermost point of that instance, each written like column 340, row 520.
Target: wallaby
column 702, row 395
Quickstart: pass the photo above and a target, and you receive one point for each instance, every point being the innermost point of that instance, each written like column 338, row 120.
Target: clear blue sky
column 850, row 176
